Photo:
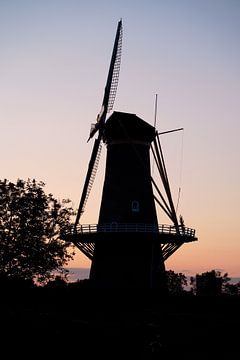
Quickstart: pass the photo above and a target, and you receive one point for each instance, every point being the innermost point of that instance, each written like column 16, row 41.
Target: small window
column 135, row 206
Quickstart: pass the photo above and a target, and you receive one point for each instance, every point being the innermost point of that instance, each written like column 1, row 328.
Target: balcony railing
column 131, row 228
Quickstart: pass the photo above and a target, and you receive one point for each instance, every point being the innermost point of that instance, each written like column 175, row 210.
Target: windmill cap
column 127, row 126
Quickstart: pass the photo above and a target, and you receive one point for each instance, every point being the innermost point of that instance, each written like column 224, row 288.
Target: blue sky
column 54, row 62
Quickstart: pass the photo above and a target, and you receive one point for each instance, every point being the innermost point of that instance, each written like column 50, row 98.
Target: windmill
column 127, row 247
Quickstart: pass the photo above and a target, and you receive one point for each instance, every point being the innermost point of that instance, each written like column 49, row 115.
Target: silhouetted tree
column 57, row 282
column 232, row 289
column 30, row 224
column 176, row 282
column 209, row 283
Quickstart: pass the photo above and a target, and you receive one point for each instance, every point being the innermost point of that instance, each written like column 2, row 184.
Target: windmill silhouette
column 127, row 247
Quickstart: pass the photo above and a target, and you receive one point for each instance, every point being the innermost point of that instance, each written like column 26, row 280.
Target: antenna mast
column 155, row 111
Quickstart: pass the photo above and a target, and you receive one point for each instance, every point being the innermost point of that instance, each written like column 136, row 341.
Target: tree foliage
column 210, row 282
column 30, row 225
column 176, row 282
column 232, row 289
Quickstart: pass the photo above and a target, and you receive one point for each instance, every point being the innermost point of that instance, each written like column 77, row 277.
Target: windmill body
column 126, row 258
column 127, row 247
column 127, row 193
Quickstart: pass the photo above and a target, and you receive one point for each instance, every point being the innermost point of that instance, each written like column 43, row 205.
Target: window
column 135, row 206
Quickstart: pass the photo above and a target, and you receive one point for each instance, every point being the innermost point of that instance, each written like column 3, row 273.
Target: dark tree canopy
column 30, row 224
column 210, row 283
column 176, row 282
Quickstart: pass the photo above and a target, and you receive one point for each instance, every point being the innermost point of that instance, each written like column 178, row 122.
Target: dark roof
column 121, row 125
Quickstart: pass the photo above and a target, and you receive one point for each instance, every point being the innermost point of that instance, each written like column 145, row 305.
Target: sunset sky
column 54, row 61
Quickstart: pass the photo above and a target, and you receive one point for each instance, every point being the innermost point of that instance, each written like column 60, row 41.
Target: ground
column 83, row 323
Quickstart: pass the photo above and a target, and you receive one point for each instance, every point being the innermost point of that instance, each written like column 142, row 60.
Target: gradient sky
column 53, row 67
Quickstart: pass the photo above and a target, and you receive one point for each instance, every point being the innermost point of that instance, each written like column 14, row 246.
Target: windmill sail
column 168, row 208
column 107, row 104
column 112, row 82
